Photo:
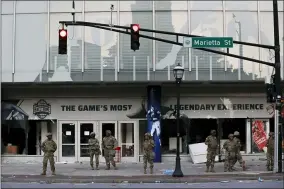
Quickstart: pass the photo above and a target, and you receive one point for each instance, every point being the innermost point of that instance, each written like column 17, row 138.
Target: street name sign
column 208, row 42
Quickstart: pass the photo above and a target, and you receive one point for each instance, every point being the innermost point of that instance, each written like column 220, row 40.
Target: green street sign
column 208, row 42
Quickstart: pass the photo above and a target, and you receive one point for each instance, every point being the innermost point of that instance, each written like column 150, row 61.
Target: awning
column 12, row 112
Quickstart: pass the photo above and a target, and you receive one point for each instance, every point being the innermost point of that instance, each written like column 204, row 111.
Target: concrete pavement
column 131, row 172
column 233, row 184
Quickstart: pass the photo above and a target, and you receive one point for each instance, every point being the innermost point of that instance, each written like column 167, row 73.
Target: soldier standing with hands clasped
column 148, row 155
column 48, row 147
column 239, row 157
column 108, row 145
column 212, row 145
column 270, row 152
column 231, row 148
column 94, row 146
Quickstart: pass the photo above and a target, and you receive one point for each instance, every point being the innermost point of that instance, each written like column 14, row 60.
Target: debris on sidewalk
column 168, row 172
column 259, row 179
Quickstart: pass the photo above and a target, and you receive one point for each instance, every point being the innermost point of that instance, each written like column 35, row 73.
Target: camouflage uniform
column 231, row 147
column 108, row 145
column 94, row 147
column 239, row 157
column 270, row 152
column 148, row 156
column 48, row 147
column 212, row 145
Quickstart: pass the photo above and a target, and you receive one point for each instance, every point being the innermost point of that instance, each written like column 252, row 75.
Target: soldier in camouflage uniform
column 231, row 147
column 148, row 155
column 108, row 145
column 212, row 146
column 48, row 147
column 239, row 157
column 94, row 147
column 270, row 152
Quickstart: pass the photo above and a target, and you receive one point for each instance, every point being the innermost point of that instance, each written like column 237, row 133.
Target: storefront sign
column 113, row 107
column 219, row 107
column 258, row 133
column 41, row 109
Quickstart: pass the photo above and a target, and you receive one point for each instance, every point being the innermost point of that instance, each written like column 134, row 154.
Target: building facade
column 58, row 104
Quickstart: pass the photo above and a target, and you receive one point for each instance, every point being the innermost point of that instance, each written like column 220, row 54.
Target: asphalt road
column 225, row 184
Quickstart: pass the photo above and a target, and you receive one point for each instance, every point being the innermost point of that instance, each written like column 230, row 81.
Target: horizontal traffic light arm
column 111, row 28
column 165, row 32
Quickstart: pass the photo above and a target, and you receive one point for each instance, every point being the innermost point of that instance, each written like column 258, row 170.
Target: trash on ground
column 168, row 172
column 225, row 181
column 157, row 181
column 259, row 179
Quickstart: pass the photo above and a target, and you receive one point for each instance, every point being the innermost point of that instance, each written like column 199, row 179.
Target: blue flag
column 154, row 118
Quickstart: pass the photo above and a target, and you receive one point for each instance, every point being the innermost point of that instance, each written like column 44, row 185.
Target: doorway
column 128, row 141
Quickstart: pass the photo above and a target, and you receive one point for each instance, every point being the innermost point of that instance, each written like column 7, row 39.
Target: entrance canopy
column 12, row 112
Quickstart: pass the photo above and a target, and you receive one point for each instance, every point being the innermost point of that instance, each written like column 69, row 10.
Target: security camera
column 111, row 7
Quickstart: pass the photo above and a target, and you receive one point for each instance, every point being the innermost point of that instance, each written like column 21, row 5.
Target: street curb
column 139, row 179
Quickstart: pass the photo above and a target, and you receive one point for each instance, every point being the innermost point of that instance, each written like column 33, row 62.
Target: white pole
column 275, row 168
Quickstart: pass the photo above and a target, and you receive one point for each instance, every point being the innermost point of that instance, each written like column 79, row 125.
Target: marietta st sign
column 208, row 42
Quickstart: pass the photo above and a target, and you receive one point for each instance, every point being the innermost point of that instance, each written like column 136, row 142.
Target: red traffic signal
column 135, row 27
column 62, row 42
column 134, row 34
column 62, row 33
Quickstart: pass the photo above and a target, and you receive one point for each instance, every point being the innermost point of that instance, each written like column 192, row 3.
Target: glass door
column 68, row 140
column 128, row 140
column 85, row 128
column 104, row 126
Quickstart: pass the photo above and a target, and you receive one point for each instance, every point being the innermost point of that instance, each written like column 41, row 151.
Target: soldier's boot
column 108, row 167
column 207, row 169
column 92, row 167
column 145, row 171
column 244, row 165
column 212, row 169
column 97, row 167
column 53, row 173
column 114, row 165
column 43, row 173
column 151, row 170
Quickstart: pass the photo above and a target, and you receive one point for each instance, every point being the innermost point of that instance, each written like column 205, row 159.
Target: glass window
column 30, row 48
column 135, row 5
column 243, row 26
column 126, row 54
column 7, row 7
column 209, row 23
column 7, row 42
column 31, row 6
column 268, row 6
column 85, row 130
column 91, row 6
column 171, row 5
column 241, row 5
column 61, row 64
column 168, row 55
column 68, row 133
column 65, row 6
column 267, row 38
column 206, row 5
column 127, row 139
column 100, row 45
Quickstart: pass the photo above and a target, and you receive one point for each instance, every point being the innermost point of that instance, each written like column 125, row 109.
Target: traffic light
column 270, row 93
column 135, row 44
column 62, row 47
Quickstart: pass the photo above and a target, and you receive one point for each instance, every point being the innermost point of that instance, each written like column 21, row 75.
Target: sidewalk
column 131, row 172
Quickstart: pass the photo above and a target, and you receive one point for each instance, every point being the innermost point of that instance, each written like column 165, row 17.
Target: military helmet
column 108, row 131
column 271, row 134
column 213, row 131
column 230, row 135
column 147, row 134
column 92, row 133
column 49, row 134
column 236, row 133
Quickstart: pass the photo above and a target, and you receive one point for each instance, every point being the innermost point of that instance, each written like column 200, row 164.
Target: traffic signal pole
column 277, row 86
column 276, row 65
